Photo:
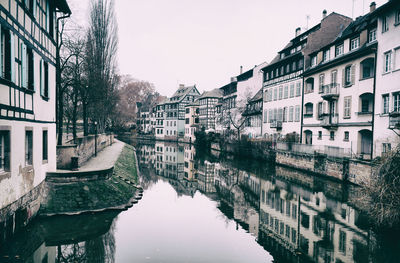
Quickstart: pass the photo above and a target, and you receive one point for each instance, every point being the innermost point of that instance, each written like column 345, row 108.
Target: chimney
column 181, row 86
column 324, row 14
column 298, row 31
column 372, row 7
column 241, row 70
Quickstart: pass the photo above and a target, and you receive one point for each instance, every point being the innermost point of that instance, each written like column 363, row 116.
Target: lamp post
column 95, row 138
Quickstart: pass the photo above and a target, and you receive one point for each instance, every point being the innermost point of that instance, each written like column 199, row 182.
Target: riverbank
column 72, row 194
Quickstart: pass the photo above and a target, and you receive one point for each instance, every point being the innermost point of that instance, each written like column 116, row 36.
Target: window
column 280, row 92
column 354, row 43
column 282, row 70
column 297, row 114
column 339, row 49
column 44, row 146
column 396, row 65
column 320, row 110
column 365, row 105
column 386, row 148
column 346, row 136
column 319, row 135
column 265, row 116
column 397, row 18
column 347, row 107
column 275, row 93
column 5, row 54
column 292, row 90
column 321, row 83
column 367, row 68
column 298, row 89
column 28, row 148
column 385, row 103
column 325, row 55
column 4, row 151
column 385, row 25
column 309, row 85
column 285, row 111
column 342, row 242
column 396, row 102
column 266, row 76
column 387, row 66
column 44, row 79
column 348, row 76
column 294, row 66
column 286, row 92
column 332, row 135
column 291, row 108
column 313, row 61
column 308, row 110
column 372, row 35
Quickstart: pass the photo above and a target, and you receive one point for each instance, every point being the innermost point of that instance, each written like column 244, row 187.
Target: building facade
column 27, row 97
column 283, row 77
column 207, row 108
column 191, row 121
column 253, row 115
column 339, row 88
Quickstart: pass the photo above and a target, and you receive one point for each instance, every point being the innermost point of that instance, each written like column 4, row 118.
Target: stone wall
column 19, row 213
column 296, row 160
column 84, row 149
column 359, row 171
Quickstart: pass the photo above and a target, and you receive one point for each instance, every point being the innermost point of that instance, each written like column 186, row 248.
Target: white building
column 27, row 97
column 339, row 88
column 386, row 127
column 160, row 120
column 283, row 77
column 191, row 121
column 207, row 108
column 253, row 115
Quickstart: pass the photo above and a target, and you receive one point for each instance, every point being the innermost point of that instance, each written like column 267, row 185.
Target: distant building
column 191, row 121
column 160, row 119
column 174, row 108
column 207, row 108
column 253, row 115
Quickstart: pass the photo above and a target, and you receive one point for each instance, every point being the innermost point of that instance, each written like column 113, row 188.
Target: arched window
column 367, row 68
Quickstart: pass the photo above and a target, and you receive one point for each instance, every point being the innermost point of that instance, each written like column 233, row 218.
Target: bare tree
column 101, row 49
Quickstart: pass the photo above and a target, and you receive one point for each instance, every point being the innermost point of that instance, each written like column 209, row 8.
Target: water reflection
column 295, row 216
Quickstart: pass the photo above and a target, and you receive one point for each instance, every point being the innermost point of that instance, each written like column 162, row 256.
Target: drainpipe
column 58, row 82
column 373, row 104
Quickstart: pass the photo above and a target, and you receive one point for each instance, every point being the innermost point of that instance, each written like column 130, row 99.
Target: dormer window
column 339, row 50
column 372, row 35
column 282, row 55
column 325, row 55
column 313, row 61
column 354, row 43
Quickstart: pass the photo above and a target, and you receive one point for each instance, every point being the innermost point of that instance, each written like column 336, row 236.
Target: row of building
column 336, row 84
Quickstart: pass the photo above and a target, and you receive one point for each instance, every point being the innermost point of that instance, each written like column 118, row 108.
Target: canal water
column 199, row 208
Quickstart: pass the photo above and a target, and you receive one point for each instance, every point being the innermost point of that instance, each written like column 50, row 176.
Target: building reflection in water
column 294, row 216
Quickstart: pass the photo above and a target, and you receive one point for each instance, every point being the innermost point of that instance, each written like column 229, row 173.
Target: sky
column 204, row 42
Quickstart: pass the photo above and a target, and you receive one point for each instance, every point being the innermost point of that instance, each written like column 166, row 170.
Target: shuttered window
column 347, row 107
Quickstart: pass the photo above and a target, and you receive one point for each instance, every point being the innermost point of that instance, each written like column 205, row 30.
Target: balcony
column 329, row 121
column 276, row 125
column 330, row 91
column 394, row 120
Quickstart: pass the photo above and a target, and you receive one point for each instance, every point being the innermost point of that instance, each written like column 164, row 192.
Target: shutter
column 7, row 149
column 47, row 16
column 344, row 77
column 2, row 47
column 33, row 70
column 350, row 107
column 24, row 73
column 34, row 8
column 12, row 57
column 41, row 78
column 353, row 74
column 325, row 107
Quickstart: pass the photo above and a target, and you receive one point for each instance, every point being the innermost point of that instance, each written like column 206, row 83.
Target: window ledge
column 396, row 70
column 386, row 73
column 45, row 161
column 4, row 175
column 396, row 24
column 346, row 117
column 370, row 77
column 364, row 113
column 45, row 98
column 345, row 140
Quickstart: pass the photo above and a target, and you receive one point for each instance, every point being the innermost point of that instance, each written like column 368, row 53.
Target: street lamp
column 95, row 138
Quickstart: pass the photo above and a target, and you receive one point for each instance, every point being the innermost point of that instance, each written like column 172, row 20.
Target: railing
column 311, row 149
column 394, row 120
column 330, row 91
column 276, row 124
column 329, row 120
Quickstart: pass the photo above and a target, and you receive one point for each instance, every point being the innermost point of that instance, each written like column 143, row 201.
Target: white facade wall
column 387, row 83
column 23, row 104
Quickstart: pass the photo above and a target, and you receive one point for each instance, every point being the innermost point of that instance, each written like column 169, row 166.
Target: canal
column 198, row 208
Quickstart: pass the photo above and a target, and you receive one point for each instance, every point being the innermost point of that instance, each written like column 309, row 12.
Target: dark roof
column 62, row 5
column 215, row 93
column 245, row 76
column 181, row 93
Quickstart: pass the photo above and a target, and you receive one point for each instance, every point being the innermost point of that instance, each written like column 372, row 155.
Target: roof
column 62, row 5
column 181, row 92
column 215, row 93
column 258, row 96
column 246, row 75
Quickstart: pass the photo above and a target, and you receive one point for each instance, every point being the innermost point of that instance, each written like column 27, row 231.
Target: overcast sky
column 204, row 42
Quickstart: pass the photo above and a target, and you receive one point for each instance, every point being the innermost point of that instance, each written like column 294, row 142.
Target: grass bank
column 117, row 192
